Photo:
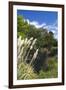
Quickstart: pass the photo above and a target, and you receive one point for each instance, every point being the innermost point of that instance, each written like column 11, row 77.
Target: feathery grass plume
column 22, row 48
column 33, row 43
column 31, row 46
column 34, row 56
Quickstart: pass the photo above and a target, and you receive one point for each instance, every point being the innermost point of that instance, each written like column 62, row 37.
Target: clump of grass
column 25, row 71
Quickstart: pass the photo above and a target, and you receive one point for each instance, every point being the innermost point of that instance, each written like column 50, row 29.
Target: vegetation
column 37, row 52
column 25, row 71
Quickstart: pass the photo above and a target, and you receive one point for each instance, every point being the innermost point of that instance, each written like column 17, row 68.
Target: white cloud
column 53, row 27
column 36, row 24
column 56, row 23
column 50, row 28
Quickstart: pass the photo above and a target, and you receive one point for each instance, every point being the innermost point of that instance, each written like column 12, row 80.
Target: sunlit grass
column 25, row 71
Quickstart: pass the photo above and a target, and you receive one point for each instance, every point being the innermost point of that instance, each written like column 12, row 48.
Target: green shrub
column 52, row 62
column 54, row 51
column 52, row 71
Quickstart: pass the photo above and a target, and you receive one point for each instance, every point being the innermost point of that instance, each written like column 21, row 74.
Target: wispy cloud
column 53, row 27
column 36, row 24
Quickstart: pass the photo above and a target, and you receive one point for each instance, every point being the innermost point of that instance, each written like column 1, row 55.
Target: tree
column 22, row 26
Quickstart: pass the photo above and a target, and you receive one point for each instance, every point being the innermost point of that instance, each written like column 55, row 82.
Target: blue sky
column 44, row 19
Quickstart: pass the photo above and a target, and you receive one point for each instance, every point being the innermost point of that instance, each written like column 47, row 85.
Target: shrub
column 54, row 51
column 52, row 71
column 52, row 62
